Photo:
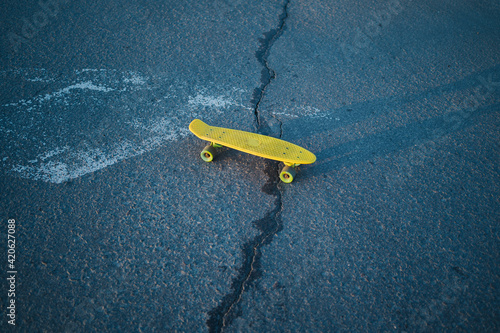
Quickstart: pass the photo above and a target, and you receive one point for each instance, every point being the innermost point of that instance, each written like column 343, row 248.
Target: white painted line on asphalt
column 82, row 85
column 75, row 164
column 304, row 111
column 143, row 125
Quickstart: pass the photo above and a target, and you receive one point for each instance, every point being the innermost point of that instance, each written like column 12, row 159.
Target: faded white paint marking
column 135, row 79
column 35, row 120
column 82, row 85
column 59, row 93
column 210, row 101
column 75, row 164
column 53, row 152
column 304, row 111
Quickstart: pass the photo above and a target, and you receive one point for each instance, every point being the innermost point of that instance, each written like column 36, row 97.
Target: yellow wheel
column 288, row 174
column 208, row 153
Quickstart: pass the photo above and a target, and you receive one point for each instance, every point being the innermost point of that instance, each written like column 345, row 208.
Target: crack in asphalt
column 271, row 224
column 222, row 316
column 267, row 73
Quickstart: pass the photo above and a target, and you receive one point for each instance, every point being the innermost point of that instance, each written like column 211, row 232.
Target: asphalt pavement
column 112, row 222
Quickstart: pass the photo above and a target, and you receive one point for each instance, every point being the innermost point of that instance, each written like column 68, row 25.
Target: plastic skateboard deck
column 252, row 143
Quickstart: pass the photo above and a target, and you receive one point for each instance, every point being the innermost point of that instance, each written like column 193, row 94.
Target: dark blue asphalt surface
column 121, row 227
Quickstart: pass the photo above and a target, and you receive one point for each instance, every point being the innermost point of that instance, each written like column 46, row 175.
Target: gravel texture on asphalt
column 121, row 227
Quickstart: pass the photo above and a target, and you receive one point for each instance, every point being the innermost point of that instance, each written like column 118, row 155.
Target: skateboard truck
column 256, row 144
column 208, row 153
column 288, row 172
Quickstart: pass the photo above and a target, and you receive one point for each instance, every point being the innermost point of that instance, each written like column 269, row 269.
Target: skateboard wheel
column 208, row 153
column 288, row 174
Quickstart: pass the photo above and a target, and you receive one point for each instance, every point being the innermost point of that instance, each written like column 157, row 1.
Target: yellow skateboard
column 256, row 144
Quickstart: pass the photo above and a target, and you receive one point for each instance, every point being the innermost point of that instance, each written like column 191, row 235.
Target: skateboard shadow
column 331, row 156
